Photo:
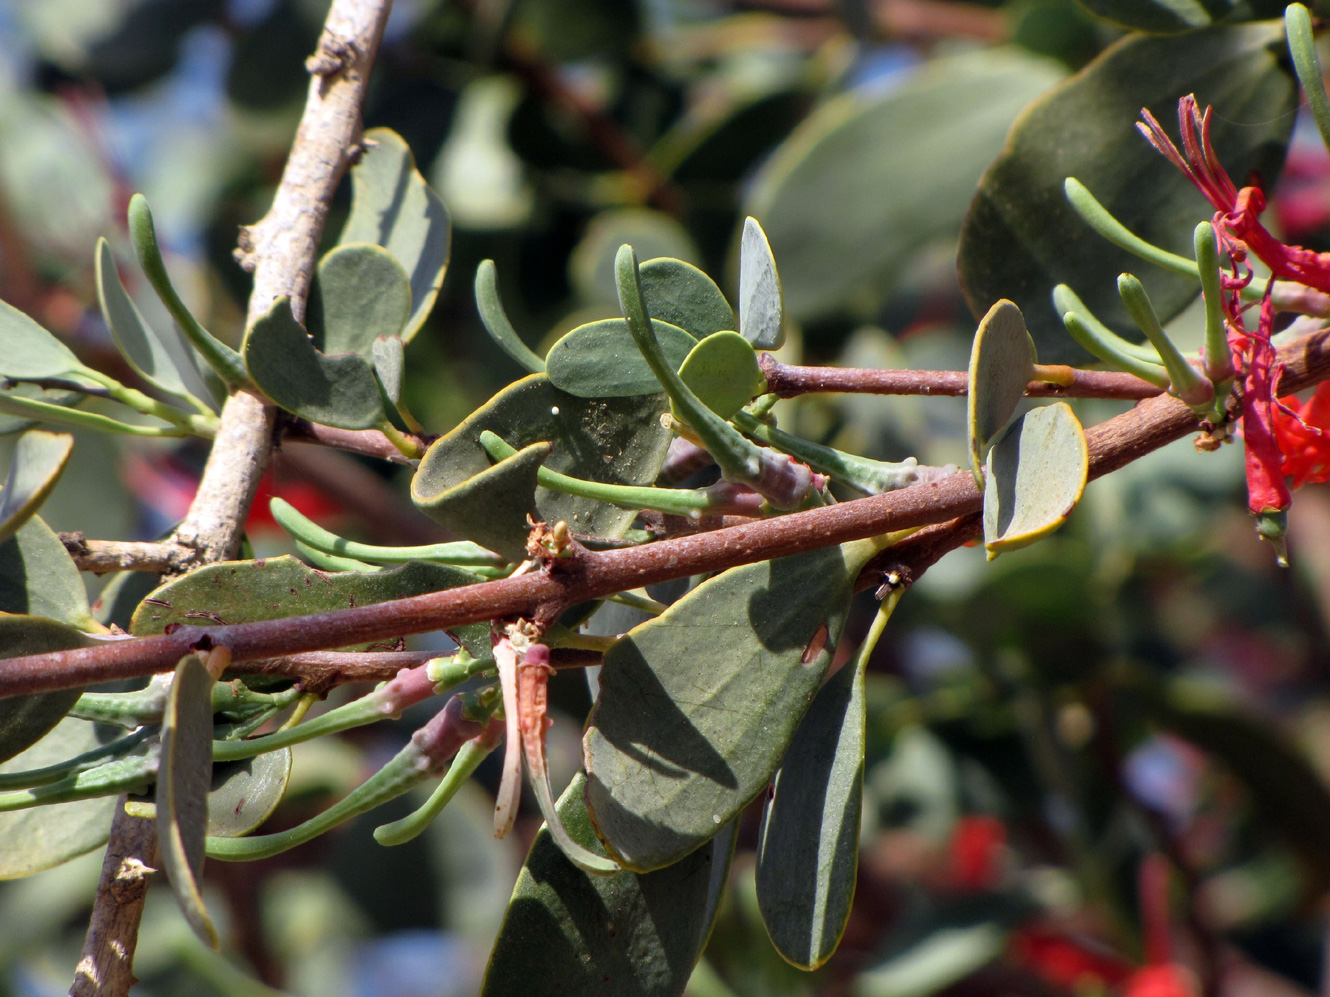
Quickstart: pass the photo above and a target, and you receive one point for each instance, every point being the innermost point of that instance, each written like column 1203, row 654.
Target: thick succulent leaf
column 1001, row 366
column 722, row 370
column 614, row 440
column 389, row 364
column 494, row 508
column 31, row 351
column 360, row 292
column 567, row 932
column 245, row 793
column 1022, row 238
column 245, row 591
column 698, row 705
column 600, row 359
column 25, row 720
column 1036, row 473
column 38, row 577
column 138, row 343
column 1176, row 16
column 39, row 459
column 42, row 837
column 393, row 207
column 680, row 294
column 761, row 301
column 184, row 776
column 336, row 390
column 846, row 203
column 808, row 850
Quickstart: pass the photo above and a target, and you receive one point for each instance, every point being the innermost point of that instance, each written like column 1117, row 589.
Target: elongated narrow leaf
column 808, row 851
column 39, row 459
column 38, row 577
column 31, row 351
column 360, row 292
column 698, row 705
column 761, row 301
column 43, row 837
column 138, row 343
column 600, row 359
column 338, row 390
column 393, row 207
column 1022, row 238
column 245, row 591
column 568, row 932
column 184, row 777
column 24, row 720
column 614, row 440
column 1001, row 366
column 1036, row 473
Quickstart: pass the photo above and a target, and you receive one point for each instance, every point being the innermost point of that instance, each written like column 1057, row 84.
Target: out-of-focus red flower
column 1303, row 431
column 1160, row 981
column 977, row 844
column 1066, row 961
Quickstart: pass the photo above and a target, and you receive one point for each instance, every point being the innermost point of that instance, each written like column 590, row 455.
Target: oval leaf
column 808, row 849
column 1001, row 367
column 600, row 359
column 1022, row 238
column 847, row 204
column 43, row 837
column 761, row 301
column 39, row 459
column 393, row 207
column 722, row 370
column 334, row 390
column 38, row 577
column 360, row 292
column 245, row 793
column 25, row 720
column 680, row 294
column 31, row 351
column 183, row 777
column 697, row 706
column 605, row 936
column 1036, row 473
column 613, row 440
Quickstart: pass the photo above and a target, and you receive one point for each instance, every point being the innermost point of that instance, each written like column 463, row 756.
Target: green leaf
column 568, row 932
column 389, row 363
column 141, row 347
column 269, row 589
column 494, row 507
column 1174, row 16
column 591, row 265
column 614, row 440
column 25, row 720
column 722, row 370
column 39, row 459
column 847, row 203
column 682, row 295
column 334, row 390
column 495, row 320
column 183, row 779
column 1022, row 238
column 244, row 794
column 43, row 837
column 600, row 359
column 761, row 303
column 393, row 207
column 808, row 849
column 1001, row 367
column 698, row 705
column 30, row 351
column 360, row 292
column 38, row 577
column 1036, row 473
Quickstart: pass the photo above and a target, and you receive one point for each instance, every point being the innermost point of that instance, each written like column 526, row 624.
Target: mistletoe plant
column 563, row 493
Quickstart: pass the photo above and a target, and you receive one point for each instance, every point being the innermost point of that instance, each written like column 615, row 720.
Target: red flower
column 1303, row 432
column 977, row 845
column 1160, row 981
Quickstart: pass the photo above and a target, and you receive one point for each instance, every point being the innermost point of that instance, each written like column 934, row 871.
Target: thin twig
column 103, row 556
column 587, row 575
column 281, row 251
column 788, row 380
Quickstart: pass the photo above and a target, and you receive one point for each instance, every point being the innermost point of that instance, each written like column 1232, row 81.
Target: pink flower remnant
column 1286, row 441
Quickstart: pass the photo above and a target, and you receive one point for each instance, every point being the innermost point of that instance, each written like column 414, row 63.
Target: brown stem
column 369, row 442
column 103, row 556
column 280, row 251
column 788, row 380
column 587, row 575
